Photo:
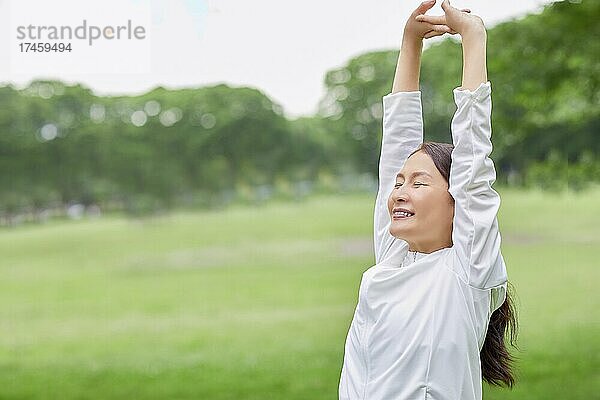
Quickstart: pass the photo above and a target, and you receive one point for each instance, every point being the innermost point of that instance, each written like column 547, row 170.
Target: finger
column 439, row 28
column 431, row 34
column 432, row 19
column 442, row 28
column 424, row 6
column 450, row 30
column 446, row 6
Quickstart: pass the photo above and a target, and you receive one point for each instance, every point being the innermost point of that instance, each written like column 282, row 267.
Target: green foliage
column 147, row 152
column 352, row 108
column 557, row 173
column 544, row 67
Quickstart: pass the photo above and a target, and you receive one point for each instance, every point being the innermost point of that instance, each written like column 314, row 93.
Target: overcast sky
column 282, row 47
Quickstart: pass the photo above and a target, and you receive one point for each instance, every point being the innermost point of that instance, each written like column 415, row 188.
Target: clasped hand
column 454, row 21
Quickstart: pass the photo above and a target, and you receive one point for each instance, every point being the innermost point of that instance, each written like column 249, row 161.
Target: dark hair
column 497, row 364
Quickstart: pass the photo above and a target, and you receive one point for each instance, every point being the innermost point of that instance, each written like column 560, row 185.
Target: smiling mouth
column 398, row 215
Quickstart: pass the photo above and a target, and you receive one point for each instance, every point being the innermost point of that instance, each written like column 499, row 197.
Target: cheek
column 424, row 202
column 447, row 210
column 433, row 206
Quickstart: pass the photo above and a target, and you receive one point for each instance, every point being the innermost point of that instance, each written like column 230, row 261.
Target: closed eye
column 397, row 185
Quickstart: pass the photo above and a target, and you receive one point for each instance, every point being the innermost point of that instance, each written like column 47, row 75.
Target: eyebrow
column 416, row 173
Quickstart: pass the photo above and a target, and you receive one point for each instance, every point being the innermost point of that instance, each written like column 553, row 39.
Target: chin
column 399, row 233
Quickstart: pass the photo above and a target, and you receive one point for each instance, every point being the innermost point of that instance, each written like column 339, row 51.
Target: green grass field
column 255, row 303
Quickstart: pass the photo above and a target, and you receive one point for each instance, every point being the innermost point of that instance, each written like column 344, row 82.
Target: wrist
column 474, row 33
column 410, row 38
column 412, row 44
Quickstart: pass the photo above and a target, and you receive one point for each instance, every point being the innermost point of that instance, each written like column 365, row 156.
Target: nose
column 399, row 195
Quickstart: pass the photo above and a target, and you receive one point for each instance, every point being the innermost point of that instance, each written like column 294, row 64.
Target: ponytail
column 497, row 364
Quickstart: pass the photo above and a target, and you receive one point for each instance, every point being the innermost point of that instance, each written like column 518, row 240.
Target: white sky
column 282, row 47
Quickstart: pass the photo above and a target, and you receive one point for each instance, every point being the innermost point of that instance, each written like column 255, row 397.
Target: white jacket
column 421, row 319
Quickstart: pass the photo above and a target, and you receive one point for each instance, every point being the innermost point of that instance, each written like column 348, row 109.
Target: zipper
column 408, row 255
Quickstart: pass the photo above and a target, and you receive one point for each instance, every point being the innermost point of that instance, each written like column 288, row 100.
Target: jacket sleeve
column 475, row 234
column 402, row 134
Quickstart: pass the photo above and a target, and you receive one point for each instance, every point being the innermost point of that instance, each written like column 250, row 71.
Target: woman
column 433, row 312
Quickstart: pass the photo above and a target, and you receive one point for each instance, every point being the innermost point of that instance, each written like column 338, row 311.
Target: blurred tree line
column 62, row 146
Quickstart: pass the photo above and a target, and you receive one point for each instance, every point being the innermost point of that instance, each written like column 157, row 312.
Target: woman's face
column 422, row 191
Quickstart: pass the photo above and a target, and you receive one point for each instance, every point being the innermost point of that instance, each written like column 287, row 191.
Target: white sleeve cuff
column 482, row 91
column 390, row 96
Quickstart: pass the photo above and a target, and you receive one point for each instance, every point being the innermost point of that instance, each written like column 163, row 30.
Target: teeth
column 402, row 214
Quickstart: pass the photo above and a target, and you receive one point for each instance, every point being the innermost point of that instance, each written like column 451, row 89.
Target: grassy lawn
column 255, row 303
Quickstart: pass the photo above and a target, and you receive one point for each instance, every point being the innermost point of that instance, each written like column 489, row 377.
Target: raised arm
column 402, row 126
column 475, row 234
